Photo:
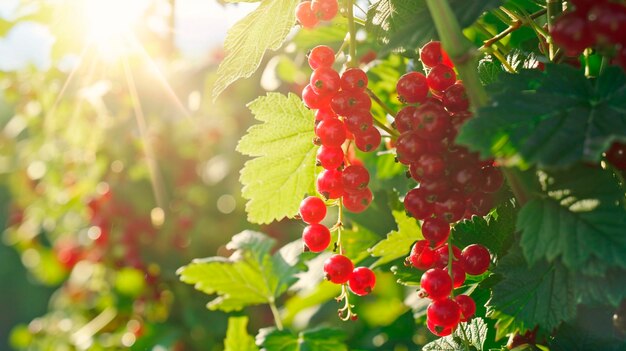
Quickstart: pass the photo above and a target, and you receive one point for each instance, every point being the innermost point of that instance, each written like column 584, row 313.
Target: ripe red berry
column 353, row 79
column 437, row 329
column 362, row 281
column 325, row 81
column 324, row 113
column 358, row 120
column 616, row 155
column 330, row 184
column 338, row 269
column 416, row 204
column 421, row 256
column 444, row 312
column 479, row 204
column 412, row 87
column 436, row 231
column 467, row 307
column 312, row 100
column 405, row 119
column 409, row 147
column 321, row 56
column 492, row 179
column 441, row 77
column 571, row 32
column 466, row 179
column 305, row 15
column 325, row 10
column 331, row 132
column 608, row 22
column 358, row 201
column 452, row 208
column 312, row 210
column 368, row 140
column 345, row 101
column 443, row 256
column 330, row 157
column 355, row 178
column 428, row 166
column 436, row 283
column 316, row 237
column 458, row 275
column 475, row 259
column 430, row 54
column 432, row 122
column 455, row 98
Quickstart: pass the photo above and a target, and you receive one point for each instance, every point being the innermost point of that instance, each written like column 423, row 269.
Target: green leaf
column 580, row 217
column 552, row 119
column 495, row 231
column 237, row 337
column 283, row 171
column 250, row 276
column 263, row 29
column 489, row 70
column 356, row 241
column 398, row 242
column 320, row 339
column 406, row 25
column 475, row 332
column 607, row 289
column 542, row 294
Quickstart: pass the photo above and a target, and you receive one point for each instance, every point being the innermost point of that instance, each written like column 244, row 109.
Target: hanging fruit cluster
column 310, row 13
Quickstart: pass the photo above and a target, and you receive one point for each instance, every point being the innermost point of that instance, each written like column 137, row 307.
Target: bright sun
column 112, row 20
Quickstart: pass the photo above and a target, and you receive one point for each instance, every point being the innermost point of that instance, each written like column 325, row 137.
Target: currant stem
column 352, row 28
column 277, row 320
column 450, row 260
column 554, row 8
column 339, row 226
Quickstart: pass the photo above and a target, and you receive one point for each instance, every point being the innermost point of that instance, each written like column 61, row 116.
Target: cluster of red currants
column 338, row 268
column 453, row 184
column 310, row 13
column 592, row 23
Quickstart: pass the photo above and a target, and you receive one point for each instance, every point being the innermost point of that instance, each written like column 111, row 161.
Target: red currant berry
column 330, row 157
column 331, row 132
column 455, row 98
column 571, row 32
column 405, row 119
column 345, row 101
column 608, row 22
column 458, row 275
column 452, row 208
column 422, row 257
column 409, row 147
column 479, row 204
column 325, row 81
column 312, row 100
column 441, row 77
column 316, row 237
column 338, row 269
column 330, row 184
column 312, row 210
column 429, row 166
column 324, row 113
column 355, row 178
column 432, row 122
column 443, row 256
column 412, row 88
column 437, row 329
column 430, row 54
column 368, row 140
column 353, row 79
column 362, row 281
column 475, row 259
column 305, row 15
column 358, row 121
column 325, row 10
column 436, row 231
column 467, row 306
column 444, row 312
column 492, row 179
column 436, row 283
column 467, row 179
column 358, row 201
column 416, row 204
column 321, row 56
column 616, row 155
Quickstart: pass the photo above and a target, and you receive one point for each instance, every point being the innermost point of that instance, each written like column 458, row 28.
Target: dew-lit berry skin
column 443, row 256
column 358, row 120
column 330, row 184
column 412, row 88
column 325, row 10
column 409, row 147
column 330, row 157
column 475, row 259
column 316, row 237
column 571, row 32
column 492, row 180
column 430, row 54
column 321, row 56
column 353, row 79
column 357, row 201
column 452, row 208
column 312, row 210
column 305, row 15
column 436, row 231
column 441, row 77
column 422, row 256
column 436, row 283
column 368, row 140
column 458, row 275
column 437, row 329
column 331, row 132
column 355, row 178
column 362, row 281
column 466, row 179
column 616, row 155
column 444, row 312
column 467, row 307
column 405, row 119
column 325, row 81
column 429, row 166
column 455, row 98
column 338, row 269
column 432, row 122
column 416, row 204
